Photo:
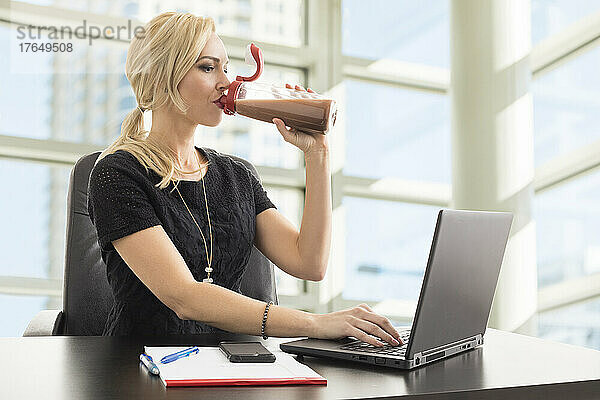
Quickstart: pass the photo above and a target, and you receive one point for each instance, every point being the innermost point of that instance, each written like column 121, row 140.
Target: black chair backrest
column 87, row 296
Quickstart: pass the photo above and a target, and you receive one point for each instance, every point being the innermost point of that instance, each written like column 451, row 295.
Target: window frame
column 326, row 68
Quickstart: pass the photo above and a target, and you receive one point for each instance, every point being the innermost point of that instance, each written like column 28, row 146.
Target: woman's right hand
column 359, row 322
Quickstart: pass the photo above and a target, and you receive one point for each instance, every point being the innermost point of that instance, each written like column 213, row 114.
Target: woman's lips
column 220, row 102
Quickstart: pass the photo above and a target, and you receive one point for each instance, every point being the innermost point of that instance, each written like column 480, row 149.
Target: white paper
column 211, row 363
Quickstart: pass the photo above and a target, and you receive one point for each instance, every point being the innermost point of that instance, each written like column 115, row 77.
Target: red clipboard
column 210, row 367
column 246, row 382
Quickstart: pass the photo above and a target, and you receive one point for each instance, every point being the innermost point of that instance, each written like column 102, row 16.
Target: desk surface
column 507, row 366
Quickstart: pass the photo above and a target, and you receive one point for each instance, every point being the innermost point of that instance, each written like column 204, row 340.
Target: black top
column 122, row 200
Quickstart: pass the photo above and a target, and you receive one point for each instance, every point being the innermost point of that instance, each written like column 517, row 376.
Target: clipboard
column 210, row 367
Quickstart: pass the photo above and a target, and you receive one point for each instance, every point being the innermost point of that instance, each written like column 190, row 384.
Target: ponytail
column 133, row 125
column 132, row 132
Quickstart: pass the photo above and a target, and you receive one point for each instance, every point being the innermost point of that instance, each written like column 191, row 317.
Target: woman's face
column 205, row 82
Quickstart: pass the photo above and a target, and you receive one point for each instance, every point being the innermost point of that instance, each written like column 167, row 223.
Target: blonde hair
column 156, row 62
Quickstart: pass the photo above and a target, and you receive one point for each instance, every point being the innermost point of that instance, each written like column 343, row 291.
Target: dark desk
column 508, row 366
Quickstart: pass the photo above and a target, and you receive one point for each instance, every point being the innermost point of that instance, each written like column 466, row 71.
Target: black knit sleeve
column 261, row 199
column 117, row 204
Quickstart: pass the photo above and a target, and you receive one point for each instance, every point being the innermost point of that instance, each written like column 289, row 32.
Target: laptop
column 455, row 300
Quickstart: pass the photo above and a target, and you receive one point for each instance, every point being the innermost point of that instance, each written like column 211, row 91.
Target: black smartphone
column 246, row 352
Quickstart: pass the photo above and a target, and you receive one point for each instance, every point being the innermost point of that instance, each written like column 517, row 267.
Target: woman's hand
column 360, row 322
column 302, row 140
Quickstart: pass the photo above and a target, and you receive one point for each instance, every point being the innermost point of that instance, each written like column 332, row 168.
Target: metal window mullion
column 274, row 54
column 397, row 73
column 26, row 13
column 324, row 42
column 579, row 37
column 394, row 189
column 47, row 151
column 567, row 167
column 29, row 286
column 316, row 23
column 66, row 154
column 569, row 292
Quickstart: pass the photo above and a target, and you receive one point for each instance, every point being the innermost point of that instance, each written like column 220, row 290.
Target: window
column 404, row 30
column 17, row 311
column 30, row 94
column 387, row 246
column 55, row 89
column 289, row 202
column 567, row 219
column 566, row 107
column 392, row 132
column 577, row 324
column 34, row 227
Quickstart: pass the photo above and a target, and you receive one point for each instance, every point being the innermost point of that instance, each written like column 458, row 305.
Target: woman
column 158, row 244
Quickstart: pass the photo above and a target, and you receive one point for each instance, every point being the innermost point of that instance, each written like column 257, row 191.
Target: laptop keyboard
column 387, row 349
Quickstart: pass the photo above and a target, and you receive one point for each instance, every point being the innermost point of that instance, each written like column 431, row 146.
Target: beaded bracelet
column 264, row 321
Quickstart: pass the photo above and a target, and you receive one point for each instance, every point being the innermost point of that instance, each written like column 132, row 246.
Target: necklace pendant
column 207, row 280
column 208, row 269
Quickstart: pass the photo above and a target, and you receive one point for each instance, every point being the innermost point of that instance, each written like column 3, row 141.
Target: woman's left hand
column 304, row 141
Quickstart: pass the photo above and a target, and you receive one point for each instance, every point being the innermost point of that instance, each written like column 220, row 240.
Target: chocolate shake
column 308, row 115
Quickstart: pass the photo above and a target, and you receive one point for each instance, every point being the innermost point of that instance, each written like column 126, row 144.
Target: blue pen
column 180, row 354
column 149, row 363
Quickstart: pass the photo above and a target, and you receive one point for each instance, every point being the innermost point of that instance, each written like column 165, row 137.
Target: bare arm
column 234, row 312
column 158, row 264
column 303, row 254
column 277, row 238
column 155, row 260
column 314, row 239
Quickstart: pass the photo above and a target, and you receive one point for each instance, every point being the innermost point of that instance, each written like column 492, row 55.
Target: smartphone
column 246, row 352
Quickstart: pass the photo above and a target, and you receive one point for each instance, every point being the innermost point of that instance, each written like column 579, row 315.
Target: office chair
column 87, row 296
